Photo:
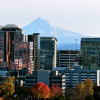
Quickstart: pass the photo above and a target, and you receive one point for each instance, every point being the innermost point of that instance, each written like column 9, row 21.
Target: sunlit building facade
column 16, row 51
column 34, row 41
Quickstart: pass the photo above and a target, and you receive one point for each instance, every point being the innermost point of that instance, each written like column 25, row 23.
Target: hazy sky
column 81, row 16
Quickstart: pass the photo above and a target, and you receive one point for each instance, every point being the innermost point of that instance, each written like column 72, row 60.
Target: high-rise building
column 34, row 41
column 89, row 55
column 16, row 51
column 66, row 58
column 48, row 52
column 1, row 26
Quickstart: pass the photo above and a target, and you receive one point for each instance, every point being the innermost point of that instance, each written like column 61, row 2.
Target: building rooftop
column 11, row 26
column 48, row 37
column 91, row 39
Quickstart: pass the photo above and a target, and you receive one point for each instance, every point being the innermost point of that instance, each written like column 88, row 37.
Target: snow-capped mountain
column 46, row 29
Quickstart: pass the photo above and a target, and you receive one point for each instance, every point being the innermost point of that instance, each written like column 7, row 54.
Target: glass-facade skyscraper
column 48, row 52
column 89, row 56
column 18, row 50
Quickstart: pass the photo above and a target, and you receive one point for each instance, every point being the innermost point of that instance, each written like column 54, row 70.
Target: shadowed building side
column 48, row 50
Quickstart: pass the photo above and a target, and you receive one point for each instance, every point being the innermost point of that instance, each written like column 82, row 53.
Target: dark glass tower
column 89, row 56
column 48, row 52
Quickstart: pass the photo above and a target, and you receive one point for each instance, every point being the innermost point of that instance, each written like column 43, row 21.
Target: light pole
column 76, row 44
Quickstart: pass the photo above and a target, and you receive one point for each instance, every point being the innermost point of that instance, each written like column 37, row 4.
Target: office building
column 18, row 50
column 89, row 55
column 77, row 75
column 47, row 77
column 48, row 52
column 34, row 41
column 66, row 58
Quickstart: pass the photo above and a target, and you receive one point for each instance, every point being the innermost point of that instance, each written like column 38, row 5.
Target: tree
column 96, row 93
column 40, row 90
column 8, row 88
column 88, row 87
column 6, row 98
column 61, row 97
column 10, row 79
column 89, row 97
column 55, row 91
column 85, row 89
column 80, row 91
column 23, row 91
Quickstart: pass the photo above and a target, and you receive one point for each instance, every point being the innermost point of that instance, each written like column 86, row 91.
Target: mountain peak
column 39, row 21
column 43, row 27
column 39, row 18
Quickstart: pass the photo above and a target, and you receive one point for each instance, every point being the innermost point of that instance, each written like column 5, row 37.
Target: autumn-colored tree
column 10, row 79
column 8, row 88
column 70, row 94
column 6, row 98
column 40, row 90
column 84, row 89
column 88, row 87
column 80, row 91
column 55, row 91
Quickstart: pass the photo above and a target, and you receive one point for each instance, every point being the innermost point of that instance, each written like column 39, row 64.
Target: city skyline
column 78, row 16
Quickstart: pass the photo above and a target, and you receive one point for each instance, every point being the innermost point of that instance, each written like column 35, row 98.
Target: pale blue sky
column 81, row 16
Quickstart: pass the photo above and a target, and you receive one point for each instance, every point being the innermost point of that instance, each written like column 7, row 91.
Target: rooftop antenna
column 76, row 44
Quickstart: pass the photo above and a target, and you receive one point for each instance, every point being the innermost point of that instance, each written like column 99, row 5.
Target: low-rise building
column 77, row 75
column 47, row 77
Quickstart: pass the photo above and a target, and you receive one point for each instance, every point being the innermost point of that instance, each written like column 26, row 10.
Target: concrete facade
column 66, row 58
column 47, row 77
column 43, row 76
